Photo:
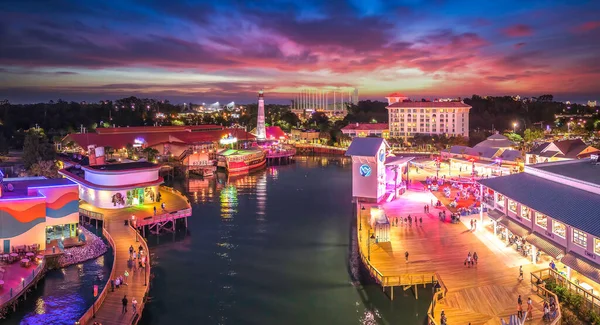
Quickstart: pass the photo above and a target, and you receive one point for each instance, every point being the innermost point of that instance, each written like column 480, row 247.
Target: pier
column 121, row 235
column 280, row 156
column 318, row 149
column 482, row 294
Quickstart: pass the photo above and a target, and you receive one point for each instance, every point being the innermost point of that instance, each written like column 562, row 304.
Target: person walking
column 421, row 221
column 471, row 224
column 520, row 312
column 406, row 256
column 154, row 210
column 134, row 305
column 529, row 309
column 126, row 276
column 474, row 224
column 475, row 257
column 520, row 275
column 124, row 301
column 519, row 300
column 130, row 251
column 112, row 285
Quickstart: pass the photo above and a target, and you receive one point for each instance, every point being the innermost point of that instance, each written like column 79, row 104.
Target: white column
column 506, row 234
column 495, row 228
column 481, row 205
column 534, row 254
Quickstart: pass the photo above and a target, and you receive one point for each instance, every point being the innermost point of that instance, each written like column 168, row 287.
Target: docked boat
column 241, row 161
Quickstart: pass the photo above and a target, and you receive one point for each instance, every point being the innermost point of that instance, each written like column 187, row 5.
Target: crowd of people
column 94, row 247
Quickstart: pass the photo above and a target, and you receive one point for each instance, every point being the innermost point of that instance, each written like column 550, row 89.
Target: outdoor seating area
column 23, row 254
column 459, row 195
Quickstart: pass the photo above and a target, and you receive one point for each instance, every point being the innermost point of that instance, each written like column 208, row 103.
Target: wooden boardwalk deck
column 482, row 294
column 124, row 236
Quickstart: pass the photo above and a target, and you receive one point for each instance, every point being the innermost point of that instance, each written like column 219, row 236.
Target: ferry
column 241, row 161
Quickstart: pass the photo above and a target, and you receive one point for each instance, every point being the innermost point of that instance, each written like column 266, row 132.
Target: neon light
column 228, row 140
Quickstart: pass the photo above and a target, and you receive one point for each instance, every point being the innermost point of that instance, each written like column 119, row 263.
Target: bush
column 574, row 307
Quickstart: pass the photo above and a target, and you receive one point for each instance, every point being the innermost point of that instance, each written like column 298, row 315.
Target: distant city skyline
column 228, row 50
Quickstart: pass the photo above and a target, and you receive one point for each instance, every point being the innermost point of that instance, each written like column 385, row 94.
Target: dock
column 482, row 294
column 280, row 156
column 122, row 235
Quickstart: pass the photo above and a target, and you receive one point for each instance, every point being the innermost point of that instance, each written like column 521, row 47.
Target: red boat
column 241, row 161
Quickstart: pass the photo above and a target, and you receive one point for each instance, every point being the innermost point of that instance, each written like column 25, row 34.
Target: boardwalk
column 124, row 236
column 479, row 295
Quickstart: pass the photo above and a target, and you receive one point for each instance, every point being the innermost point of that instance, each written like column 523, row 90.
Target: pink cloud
column 518, row 30
column 586, row 27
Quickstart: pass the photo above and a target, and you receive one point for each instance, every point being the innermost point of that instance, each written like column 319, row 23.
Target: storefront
column 60, row 232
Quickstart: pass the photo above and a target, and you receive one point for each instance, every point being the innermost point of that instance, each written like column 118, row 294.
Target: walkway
column 124, row 236
column 479, row 295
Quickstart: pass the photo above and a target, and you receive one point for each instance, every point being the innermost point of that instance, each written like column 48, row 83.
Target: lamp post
column 514, row 127
column 371, row 239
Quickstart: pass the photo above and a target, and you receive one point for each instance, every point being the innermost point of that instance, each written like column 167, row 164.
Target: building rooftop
column 428, row 105
column 495, row 141
column 366, row 126
column 366, row 147
column 124, row 166
column 158, row 129
column 564, row 203
column 22, row 184
column 571, row 149
column 582, row 169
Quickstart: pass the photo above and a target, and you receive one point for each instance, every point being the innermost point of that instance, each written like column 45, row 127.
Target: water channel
column 272, row 247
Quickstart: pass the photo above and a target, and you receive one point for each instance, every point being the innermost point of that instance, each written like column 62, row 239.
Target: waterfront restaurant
column 115, row 186
column 550, row 212
column 35, row 210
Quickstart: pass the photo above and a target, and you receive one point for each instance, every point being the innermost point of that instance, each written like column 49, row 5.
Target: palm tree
column 150, row 153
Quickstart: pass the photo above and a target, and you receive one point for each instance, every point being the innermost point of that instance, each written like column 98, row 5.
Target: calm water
column 64, row 294
column 270, row 248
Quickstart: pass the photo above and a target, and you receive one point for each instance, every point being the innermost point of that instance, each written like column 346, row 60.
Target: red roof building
column 362, row 130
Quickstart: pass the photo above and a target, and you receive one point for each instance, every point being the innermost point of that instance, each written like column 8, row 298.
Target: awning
column 546, row 246
column 514, row 227
column 495, row 215
column 579, row 264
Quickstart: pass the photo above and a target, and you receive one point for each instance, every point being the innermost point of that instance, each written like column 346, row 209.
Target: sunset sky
column 206, row 51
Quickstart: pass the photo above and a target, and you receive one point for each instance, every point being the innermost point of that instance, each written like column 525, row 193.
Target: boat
column 241, row 161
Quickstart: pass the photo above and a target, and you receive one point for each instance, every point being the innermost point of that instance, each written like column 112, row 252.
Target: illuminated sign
column 365, row 170
column 228, row 140
column 138, row 142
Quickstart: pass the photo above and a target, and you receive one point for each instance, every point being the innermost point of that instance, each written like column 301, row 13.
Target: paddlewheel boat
column 241, row 161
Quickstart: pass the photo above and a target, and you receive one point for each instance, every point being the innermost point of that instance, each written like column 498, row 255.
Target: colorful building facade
column 37, row 210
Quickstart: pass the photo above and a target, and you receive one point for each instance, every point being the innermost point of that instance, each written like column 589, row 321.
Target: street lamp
column 514, row 126
column 371, row 239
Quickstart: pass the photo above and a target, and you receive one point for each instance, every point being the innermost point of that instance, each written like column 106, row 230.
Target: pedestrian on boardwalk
column 126, row 276
column 529, row 309
column 471, row 224
column 130, row 251
column 425, row 209
column 134, row 255
column 124, row 301
column 406, row 221
column 112, row 285
column 140, row 249
column 520, row 312
column 406, row 256
column 475, row 257
column 519, row 300
column 520, row 275
column 117, row 283
column 134, row 305
column 154, row 210
column 474, row 224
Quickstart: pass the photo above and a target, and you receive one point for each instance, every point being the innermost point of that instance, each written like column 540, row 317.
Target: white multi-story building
column 407, row 118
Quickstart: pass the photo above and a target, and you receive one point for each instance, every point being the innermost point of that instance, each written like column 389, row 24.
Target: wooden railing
column 163, row 217
column 91, row 214
column 15, row 292
column 537, row 284
column 89, row 314
column 437, row 296
column 142, row 304
column 592, row 301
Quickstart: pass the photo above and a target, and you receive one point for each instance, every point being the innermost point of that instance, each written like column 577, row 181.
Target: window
column 597, row 246
column 525, row 213
column 559, row 228
column 541, row 220
column 579, row 238
column 512, row 206
column 500, row 199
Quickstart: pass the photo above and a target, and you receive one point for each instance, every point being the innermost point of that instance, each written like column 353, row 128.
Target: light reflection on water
column 270, row 248
column 63, row 295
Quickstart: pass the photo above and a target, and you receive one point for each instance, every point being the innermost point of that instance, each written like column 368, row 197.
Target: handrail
column 142, row 303
column 91, row 214
column 545, row 293
column 89, row 314
column 11, row 295
column 164, row 216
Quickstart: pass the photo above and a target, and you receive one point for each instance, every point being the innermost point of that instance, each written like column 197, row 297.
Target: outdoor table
column 25, row 262
column 30, row 254
column 39, row 257
column 5, row 256
column 586, row 286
